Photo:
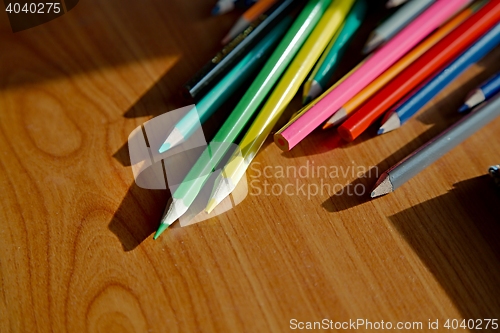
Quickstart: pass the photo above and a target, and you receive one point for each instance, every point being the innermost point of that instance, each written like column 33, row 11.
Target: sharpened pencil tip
column 211, row 206
column 474, row 98
column 390, row 122
column 337, row 118
column 164, row 147
column 314, row 90
column 374, row 41
column 160, row 230
column 383, row 186
column 174, row 138
column 223, row 189
column 463, row 108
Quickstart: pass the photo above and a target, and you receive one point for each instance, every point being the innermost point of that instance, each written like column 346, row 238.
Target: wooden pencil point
column 160, row 230
column 211, row 206
column 337, row 118
column 315, row 90
column 224, row 188
column 175, row 138
column 475, row 98
column 374, row 41
column 394, row 3
column 390, row 123
column 175, row 210
column 383, row 186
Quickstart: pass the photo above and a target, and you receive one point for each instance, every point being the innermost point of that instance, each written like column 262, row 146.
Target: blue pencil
column 485, row 91
column 420, row 96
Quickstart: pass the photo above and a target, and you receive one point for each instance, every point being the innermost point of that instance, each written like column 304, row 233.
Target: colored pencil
column 329, row 61
column 395, row 23
column 420, row 159
column 235, row 50
column 296, row 115
column 248, row 17
column 282, row 95
column 394, row 3
column 286, row 50
column 439, row 55
column 225, row 6
column 494, row 172
column 417, row 99
column 213, row 100
column 354, row 103
column 481, row 94
column 378, row 63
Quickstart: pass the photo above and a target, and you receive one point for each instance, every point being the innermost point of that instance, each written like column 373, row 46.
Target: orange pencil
column 248, row 17
column 439, row 55
column 397, row 68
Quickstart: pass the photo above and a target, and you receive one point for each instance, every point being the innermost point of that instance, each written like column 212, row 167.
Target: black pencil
column 225, row 59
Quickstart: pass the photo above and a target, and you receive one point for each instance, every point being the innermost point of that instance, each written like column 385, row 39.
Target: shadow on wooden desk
column 138, row 216
column 338, row 203
column 463, row 251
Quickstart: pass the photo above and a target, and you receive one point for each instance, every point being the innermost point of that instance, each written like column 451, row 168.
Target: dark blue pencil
column 481, row 94
column 420, row 96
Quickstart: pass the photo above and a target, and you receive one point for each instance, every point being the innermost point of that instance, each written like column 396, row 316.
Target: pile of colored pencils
column 277, row 47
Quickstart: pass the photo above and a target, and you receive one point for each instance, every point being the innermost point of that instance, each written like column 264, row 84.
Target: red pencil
column 439, row 55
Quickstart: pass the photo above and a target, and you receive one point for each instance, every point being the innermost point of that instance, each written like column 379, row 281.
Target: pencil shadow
column 138, row 215
column 341, row 200
column 317, row 143
column 140, row 211
column 462, row 251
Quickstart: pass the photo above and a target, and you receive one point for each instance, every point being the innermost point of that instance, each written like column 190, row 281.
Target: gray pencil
column 421, row 158
column 396, row 23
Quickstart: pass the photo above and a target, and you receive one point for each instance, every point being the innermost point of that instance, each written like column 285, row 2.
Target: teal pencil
column 329, row 61
column 222, row 91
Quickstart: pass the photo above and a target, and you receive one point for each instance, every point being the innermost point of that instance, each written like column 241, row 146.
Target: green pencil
column 213, row 100
column 291, row 43
column 329, row 61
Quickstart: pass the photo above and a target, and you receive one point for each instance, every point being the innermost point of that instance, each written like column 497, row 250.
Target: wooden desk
column 76, row 248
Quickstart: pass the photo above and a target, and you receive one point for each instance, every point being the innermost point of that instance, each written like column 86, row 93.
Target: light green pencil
column 291, row 43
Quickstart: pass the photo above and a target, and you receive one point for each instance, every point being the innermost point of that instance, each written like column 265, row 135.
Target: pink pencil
column 379, row 62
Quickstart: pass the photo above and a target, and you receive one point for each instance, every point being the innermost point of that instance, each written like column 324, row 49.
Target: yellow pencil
column 397, row 68
column 288, row 86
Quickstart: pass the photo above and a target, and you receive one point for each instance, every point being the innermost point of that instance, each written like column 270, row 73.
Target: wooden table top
column 76, row 247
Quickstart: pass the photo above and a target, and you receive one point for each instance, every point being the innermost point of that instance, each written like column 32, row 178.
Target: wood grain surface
column 76, row 247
